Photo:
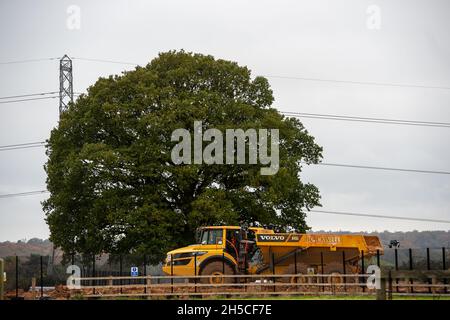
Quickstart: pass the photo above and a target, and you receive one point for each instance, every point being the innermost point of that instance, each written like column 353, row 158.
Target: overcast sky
column 407, row 43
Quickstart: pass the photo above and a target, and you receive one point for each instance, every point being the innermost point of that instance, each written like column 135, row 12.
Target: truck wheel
column 216, row 271
column 298, row 277
column 335, row 277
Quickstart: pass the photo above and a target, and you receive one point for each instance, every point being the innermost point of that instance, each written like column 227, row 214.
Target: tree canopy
column 113, row 186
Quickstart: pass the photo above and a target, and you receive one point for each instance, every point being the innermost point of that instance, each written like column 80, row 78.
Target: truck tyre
column 298, row 277
column 334, row 269
column 216, row 271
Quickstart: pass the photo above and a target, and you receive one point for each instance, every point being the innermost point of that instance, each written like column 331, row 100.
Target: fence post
column 120, row 271
column 145, row 271
column 444, row 267
column 381, row 293
column 410, row 259
column 33, row 287
column 428, row 268
column 149, row 283
column 343, row 262
column 295, row 262
column 273, row 271
column 42, row 277
column 273, row 263
column 2, row 280
column 378, row 258
column 295, row 269
column 344, row 270
column 195, row 272
column 195, row 263
column 390, row 285
column 321, row 268
column 396, row 266
column 396, row 258
column 17, row 276
column 93, row 273
column 363, row 270
column 410, row 268
column 171, row 272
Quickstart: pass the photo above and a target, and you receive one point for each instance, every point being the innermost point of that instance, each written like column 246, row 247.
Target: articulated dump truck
column 235, row 250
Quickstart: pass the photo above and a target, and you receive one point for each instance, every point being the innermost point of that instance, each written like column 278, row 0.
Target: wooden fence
column 389, row 283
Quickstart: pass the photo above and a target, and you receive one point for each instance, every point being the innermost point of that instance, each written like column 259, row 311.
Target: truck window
column 204, row 239
column 212, row 236
column 198, row 235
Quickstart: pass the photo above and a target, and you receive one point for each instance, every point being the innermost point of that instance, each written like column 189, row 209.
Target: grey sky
column 313, row 39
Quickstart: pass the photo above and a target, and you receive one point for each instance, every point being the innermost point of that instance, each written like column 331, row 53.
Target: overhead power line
column 380, row 216
column 286, row 113
column 30, row 95
column 106, row 61
column 371, row 83
column 381, row 84
column 22, row 146
column 36, row 192
column 382, row 168
column 344, row 165
column 29, row 193
column 352, row 82
column 366, row 119
column 21, row 194
column 30, row 99
column 29, row 60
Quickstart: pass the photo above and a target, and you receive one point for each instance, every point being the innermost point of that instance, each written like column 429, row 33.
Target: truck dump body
column 316, row 250
column 369, row 244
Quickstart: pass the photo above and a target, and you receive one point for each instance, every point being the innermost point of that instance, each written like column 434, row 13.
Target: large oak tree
column 113, row 186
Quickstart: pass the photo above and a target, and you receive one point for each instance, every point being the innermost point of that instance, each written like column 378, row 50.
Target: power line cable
column 29, row 193
column 24, row 147
column 30, row 95
column 287, row 113
column 384, row 84
column 366, row 119
column 21, row 194
column 380, row 216
column 31, row 99
column 42, row 143
column 106, row 61
column 381, row 84
column 28, row 60
column 22, row 144
column 353, row 82
column 381, row 168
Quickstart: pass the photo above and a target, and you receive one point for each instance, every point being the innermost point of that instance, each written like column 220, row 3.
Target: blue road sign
column 134, row 271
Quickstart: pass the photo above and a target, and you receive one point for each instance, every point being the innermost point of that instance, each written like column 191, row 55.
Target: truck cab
column 218, row 250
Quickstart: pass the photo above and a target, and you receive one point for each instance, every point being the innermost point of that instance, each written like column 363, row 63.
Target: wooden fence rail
column 412, row 282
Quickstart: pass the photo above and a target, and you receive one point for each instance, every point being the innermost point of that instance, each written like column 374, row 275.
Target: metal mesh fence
column 47, row 272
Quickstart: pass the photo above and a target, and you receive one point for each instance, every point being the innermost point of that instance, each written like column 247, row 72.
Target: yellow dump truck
column 236, row 250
